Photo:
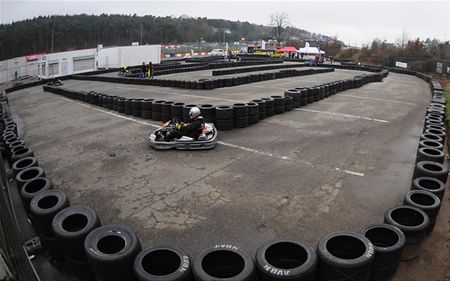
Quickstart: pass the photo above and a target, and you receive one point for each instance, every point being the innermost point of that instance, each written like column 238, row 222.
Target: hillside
column 86, row 31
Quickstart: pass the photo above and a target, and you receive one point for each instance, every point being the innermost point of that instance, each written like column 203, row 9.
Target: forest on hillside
column 87, row 31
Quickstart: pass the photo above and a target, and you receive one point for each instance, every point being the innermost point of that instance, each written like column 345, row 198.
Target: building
column 53, row 65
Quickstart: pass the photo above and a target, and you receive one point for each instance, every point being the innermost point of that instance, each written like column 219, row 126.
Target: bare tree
column 403, row 39
column 279, row 22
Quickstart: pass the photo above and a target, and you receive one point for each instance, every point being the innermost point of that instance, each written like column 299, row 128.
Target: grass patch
column 447, row 109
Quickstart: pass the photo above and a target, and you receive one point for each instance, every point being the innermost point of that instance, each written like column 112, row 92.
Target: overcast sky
column 354, row 22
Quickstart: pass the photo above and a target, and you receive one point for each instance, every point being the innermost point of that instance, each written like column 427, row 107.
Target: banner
column 401, row 64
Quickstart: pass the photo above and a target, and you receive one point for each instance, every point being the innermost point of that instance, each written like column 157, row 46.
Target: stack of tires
column 146, row 111
column 224, row 117
column 208, row 113
column 166, row 111
column 156, row 110
column 177, row 110
column 241, row 116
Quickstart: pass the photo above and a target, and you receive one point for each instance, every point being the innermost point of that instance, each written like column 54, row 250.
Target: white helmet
column 194, row 112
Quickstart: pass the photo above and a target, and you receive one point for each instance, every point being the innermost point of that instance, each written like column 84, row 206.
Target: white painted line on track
column 248, row 149
column 343, row 115
column 377, row 99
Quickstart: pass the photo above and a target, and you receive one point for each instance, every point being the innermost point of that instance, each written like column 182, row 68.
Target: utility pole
column 52, row 43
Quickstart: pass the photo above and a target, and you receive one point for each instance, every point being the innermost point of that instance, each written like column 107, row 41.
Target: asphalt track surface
column 336, row 164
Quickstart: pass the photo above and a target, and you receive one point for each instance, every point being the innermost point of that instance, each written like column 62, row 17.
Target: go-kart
column 55, row 82
column 206, row 140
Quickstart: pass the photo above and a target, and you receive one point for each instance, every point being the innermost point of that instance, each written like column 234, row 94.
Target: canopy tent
column 288, row 50
column 310, row 50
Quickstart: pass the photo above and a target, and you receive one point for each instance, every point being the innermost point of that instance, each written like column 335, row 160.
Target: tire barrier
column 284, row 259
column 413, row 219
column 70, row 227
column 177, row 110
column 223, row 262
column 166, row 111
column 427, row 202
column 205, row 84
column 163, row 263
column 146, row 111
column 254, row 69
column 43, row 208
column 240, row 115
column 344, row 256
column 156, row 110
column 208, row 113
column 32, row 188
column 431, row 169
column 388, row 242
column 27, row 175
column 136, row 107
column 24, row 163
column 429, row 184
column 111, row 250
column 413, row 222
column 224, row 117
column 430, row 154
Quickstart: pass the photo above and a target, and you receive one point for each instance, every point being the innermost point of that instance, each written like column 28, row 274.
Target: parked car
column 217, row 52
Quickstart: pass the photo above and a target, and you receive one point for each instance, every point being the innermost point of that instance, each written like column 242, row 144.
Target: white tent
column 310, row 50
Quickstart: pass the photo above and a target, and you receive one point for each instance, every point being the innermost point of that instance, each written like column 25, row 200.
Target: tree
column 279, row 22
column 403, row 39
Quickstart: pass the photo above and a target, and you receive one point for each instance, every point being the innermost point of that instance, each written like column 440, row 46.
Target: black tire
column 440, row 128
column 224, row 112
column 127, row 108
column 32, row 188
column 121, row 105
column 430, row 154
column 24, row 163
column 21, row 153
column 388, row 242
column 240, row 110
column 241, row 122
column 344, row 256
column 284, row 259
column 427, row 202
column 224, row 125
column 431, row 138
column 43, row 208
column 223, row 262
column 432, row 185
column 28, row 174
column 270, row 106
column 71, row 226
column 412, row 221
column 431, row 169
column 111, row 250
column 163, row 263
column 177, row 109
column 288, row 103
column 208, row 112
column 166, row 107
column 261, row 109
column 440, row 133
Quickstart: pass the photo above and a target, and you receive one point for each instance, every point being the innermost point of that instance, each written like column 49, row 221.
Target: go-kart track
column 336, row 164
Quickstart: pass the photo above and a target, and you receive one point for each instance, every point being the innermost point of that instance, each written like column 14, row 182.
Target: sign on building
column 401, row 64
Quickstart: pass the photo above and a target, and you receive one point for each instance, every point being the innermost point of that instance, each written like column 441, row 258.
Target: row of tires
column 204, row 84
column 253, row 69
column 114, row 252
column 207, row 65
column 225, row 117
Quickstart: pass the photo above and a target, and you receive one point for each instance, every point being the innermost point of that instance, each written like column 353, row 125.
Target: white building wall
column 128, row 55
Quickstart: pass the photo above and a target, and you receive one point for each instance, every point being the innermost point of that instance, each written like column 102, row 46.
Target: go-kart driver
column 192, row 130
